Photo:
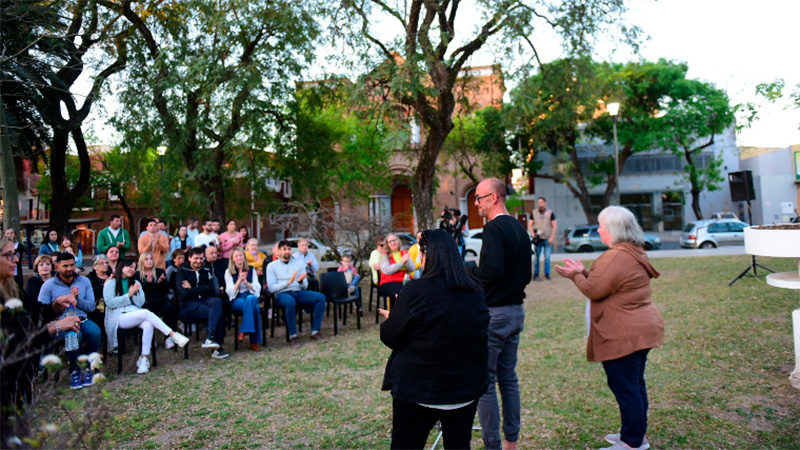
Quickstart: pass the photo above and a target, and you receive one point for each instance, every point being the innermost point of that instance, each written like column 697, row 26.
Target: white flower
column 49, row 428
column 14, row 303
column 51, row 361
column 94, row 356
column 99, row 378
column 83, row 359
column 15, row 441
column 96, row 364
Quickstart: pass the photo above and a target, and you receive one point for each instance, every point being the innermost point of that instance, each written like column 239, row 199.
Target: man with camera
column 543, row 227
column 453, row 222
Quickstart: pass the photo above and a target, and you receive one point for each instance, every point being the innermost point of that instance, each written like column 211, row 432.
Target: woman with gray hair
column 625, row 323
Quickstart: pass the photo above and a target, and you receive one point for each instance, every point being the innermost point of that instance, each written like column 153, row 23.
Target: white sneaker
column 143, row 364
column 616, row 438
column 169, row 343
column 179, row 339
column 209, row 344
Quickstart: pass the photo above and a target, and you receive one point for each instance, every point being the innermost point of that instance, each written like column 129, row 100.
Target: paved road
column 675, row 252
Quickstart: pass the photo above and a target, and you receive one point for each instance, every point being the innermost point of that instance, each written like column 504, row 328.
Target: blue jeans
column 625, row 377
column 206, row 309
column 247, row 304
column 505, row 325
column 543, row 247
column 309, row 300
column 355, row 281
column 89, row 338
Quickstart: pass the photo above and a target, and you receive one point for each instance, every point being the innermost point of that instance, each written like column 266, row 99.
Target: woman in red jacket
column 625, row 323
column 396, row 263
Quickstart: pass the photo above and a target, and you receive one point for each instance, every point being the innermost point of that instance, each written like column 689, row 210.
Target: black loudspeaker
column 741, row 184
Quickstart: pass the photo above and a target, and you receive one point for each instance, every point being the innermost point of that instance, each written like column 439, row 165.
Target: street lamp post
column 613, row 109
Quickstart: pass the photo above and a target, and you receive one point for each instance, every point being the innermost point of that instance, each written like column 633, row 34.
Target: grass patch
column 719, row 382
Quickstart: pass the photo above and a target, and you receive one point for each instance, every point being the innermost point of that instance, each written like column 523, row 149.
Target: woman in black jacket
column 156, row 291
column 437, row 331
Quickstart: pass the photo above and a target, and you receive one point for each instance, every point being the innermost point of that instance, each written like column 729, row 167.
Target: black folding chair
column 137, row 332
column 334, row 286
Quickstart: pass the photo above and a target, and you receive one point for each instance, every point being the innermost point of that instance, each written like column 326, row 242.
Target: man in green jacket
column 114, row 235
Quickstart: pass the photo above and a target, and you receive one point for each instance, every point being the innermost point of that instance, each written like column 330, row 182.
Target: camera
column 536, row 239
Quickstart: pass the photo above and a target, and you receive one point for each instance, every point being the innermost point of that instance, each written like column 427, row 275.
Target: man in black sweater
column 504, row 271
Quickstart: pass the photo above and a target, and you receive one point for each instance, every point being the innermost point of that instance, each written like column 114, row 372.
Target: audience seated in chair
column 124, row 298
column 243, row 289
column 351, row 275
column 70, row 290
column 286, row 278
column 310, row 262
column 198, row 293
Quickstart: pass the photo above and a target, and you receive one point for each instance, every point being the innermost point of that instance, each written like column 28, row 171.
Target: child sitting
column 350, row 274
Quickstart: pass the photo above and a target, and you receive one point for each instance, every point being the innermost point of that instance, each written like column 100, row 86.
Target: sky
column 734, row 44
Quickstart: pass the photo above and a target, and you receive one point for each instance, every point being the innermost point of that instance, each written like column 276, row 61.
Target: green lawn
column 719, row 382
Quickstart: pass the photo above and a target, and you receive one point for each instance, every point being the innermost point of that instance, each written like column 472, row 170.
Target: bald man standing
column 504, row 271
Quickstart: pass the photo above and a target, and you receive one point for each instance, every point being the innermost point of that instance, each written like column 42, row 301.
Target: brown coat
column 624, row 318
column 156, row 243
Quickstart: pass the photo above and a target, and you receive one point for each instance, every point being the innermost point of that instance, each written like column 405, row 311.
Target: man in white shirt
column 207, row 237
column 310, row 262
column 286, row 278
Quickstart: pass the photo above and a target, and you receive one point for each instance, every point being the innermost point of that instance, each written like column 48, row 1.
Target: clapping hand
column 302, row 277
column 133, row 290
column 570, row 267
column 405, row 258
column 384, row 313
column 162, row 277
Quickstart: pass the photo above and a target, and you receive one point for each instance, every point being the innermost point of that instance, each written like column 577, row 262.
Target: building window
column 380, row 206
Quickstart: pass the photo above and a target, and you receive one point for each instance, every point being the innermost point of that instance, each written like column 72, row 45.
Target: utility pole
column 8, row 176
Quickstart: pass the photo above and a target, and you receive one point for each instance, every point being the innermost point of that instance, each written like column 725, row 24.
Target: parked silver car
column 586, row 239
column 713, row 233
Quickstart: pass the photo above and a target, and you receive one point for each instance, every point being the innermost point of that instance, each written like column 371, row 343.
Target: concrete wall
column 773, row 180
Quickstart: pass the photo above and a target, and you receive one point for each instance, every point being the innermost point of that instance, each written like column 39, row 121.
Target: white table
column 790, row 280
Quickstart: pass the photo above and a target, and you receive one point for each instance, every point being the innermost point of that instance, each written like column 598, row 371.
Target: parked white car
column 314, row 246
column 713, row 233
column 474, row 241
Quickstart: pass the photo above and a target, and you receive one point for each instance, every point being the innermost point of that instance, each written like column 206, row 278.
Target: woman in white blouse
column 242, row 287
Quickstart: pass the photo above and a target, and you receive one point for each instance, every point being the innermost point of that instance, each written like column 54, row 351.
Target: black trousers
column 391, row 289
column 626, row 379
column 411, row 424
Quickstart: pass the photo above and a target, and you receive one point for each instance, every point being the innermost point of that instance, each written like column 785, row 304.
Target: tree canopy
column 48, row 46
column 210, row 82
column 417, row 69
column 565, row 104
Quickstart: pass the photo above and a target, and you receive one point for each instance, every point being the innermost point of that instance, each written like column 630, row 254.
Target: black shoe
column 547, row 276
column 536, row 278
column 219, row 354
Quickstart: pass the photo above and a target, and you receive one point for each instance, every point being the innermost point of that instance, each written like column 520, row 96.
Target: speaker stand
column 753, row 265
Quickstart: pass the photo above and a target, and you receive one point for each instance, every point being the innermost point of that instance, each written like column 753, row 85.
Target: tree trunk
column 9, row 177
column 129, row 215
column 425, row 175
column 64, row 198
column 696, row 204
